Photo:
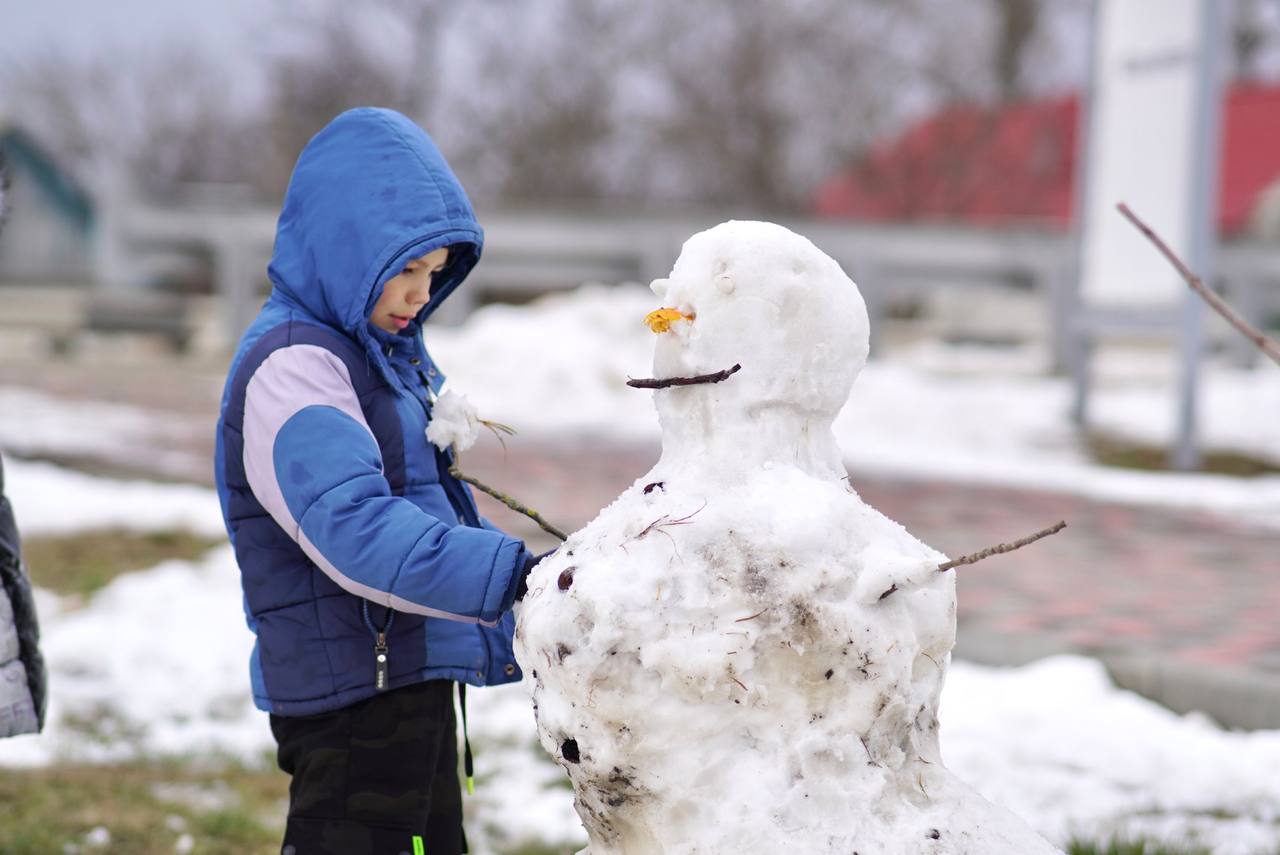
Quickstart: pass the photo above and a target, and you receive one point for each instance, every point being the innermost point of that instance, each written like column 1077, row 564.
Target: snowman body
column 717, row 659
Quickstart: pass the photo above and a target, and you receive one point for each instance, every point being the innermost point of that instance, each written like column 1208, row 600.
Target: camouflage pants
column 374, row 776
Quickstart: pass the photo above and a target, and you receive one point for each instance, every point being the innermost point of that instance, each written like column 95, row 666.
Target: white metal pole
column 1203, row 231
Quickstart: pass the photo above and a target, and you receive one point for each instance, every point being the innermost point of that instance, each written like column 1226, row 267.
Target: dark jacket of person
column 22, row 674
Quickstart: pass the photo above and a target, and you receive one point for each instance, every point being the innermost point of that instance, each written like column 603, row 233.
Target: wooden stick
column 987, row 553
column 1002, row 548
column 509, row 502
column 683, row 381
column 1266, row 345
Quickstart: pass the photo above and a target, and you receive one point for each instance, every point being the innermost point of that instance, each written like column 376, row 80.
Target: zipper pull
column 380, row 662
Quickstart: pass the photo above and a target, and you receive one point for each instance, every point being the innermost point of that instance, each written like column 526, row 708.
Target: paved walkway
column 1182, row 606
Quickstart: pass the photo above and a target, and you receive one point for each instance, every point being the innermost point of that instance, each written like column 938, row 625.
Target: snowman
column 739, row 655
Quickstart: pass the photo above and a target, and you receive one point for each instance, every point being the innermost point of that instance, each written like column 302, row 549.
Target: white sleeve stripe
column 289, row 380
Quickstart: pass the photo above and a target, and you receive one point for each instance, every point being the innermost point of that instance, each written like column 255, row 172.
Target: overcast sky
column 232, row 31
column 93, row 26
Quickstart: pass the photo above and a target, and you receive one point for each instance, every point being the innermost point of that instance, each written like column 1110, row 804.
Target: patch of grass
column 1131, row 847
column 83, row 563
column 46, row 809
column 1125, row 454
column 104, row 725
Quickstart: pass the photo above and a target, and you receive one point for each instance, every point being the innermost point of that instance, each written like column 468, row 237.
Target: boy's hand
column 530, row 561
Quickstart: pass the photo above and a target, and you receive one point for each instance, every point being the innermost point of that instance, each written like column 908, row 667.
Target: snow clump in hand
column 454, row 422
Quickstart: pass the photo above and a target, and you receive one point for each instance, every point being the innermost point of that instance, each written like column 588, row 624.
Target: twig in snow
column 990, row 551
column 1002, row 548
column 754, row 616
column 668, row 536
column 663, row 521
column 668, row 382
column 508, row 501
column 1266, row 345
column 867, row 748
column 739, row 682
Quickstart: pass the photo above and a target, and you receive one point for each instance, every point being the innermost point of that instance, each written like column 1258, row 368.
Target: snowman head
column 759, row 295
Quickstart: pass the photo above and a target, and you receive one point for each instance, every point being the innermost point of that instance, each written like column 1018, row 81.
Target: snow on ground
column 34, row 424
column 162, row 656
column 50, row 500
column 31, row 422
column 157, row 663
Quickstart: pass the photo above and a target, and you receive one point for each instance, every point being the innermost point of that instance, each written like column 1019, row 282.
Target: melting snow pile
column 711, row 658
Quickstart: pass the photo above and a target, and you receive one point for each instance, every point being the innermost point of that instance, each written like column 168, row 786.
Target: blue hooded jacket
column 344, row 518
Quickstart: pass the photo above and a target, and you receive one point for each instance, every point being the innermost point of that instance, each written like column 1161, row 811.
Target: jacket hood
column 369, row 192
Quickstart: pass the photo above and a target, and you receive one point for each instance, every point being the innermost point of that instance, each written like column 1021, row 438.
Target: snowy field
column 1054, row 741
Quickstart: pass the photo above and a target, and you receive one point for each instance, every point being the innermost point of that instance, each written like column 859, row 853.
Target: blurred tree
column 1016, row 27
column 99, row 116
column 1249, row 37
column 335, row 56
column 752, row 104
column 767, row 98
column 534, row 115
column 748, row 104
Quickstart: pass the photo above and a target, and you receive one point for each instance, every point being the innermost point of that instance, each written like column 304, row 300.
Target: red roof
column 1017, row 165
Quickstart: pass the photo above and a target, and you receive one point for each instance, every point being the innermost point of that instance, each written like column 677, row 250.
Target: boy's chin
column 387, row 326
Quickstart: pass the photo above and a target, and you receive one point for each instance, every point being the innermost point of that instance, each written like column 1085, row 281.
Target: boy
column 370, row 580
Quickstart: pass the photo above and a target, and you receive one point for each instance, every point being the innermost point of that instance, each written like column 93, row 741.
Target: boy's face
column 405, row 294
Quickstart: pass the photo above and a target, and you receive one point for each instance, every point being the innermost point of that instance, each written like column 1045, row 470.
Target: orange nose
column 660, row 320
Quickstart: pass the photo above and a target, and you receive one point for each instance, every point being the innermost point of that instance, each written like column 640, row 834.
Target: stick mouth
column 668, row 382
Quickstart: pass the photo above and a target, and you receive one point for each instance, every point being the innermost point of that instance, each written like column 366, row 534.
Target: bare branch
column 668, row 382
column 509, row 502
column 1002, row 548
column 1266, row 345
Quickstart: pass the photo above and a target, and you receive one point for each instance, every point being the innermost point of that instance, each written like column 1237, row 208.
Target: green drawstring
column 468, row 762
column 418, row 847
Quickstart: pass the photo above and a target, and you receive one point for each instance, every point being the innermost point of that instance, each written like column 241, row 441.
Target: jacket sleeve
column 314, row 465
